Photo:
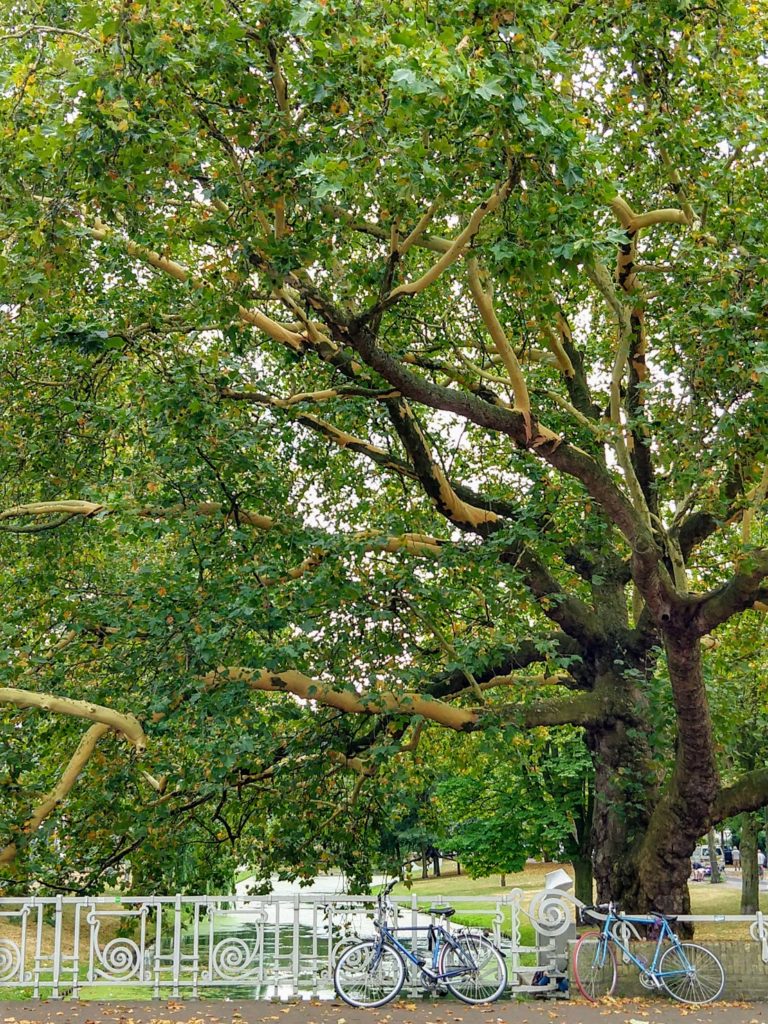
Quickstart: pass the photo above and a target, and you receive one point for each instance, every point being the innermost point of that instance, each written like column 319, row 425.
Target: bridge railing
column 272, row 946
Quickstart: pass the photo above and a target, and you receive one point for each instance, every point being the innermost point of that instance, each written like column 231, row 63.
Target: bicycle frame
column 611, row 933
column 438, row 936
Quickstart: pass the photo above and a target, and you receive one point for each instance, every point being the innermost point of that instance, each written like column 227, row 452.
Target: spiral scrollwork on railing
column 344, row 943
column 10, row 959
column 120, row 959
column 233, row 958
column 550, row 912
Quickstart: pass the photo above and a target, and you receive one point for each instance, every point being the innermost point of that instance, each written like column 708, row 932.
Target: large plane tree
column 369, row 368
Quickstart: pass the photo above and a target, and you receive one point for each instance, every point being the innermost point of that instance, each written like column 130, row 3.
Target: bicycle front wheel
column 594, row 966
column 691, row 973
column 368, row 974
column 472, row 969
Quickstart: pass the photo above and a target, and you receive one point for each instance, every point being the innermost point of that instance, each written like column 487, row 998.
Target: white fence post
column 57, row 932
column 176, row 961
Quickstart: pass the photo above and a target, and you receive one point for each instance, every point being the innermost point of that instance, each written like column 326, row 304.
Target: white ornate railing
column 264, row 946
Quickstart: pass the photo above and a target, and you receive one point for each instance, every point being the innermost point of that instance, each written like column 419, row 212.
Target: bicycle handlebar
column 383, row 902
column 601, row 910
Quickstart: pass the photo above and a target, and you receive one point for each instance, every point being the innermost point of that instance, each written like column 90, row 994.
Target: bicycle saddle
column 442, row 911
column 671, row 918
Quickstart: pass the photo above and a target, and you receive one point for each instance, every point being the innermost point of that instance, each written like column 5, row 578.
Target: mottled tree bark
column 714, row 867
column 750, row 890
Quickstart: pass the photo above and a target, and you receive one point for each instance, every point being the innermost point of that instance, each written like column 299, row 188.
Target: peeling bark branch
column 327, row 395
column 756, row 501
column 508, row 661
column 431, row 475
column 635, row 221
column 127, row 725
column 555, row 344
column 434, row 243
column 340, row 437
column 567, row 458
column 89, row 510
column 413, row 543
column 457, row 249
column 276, row 331
column 68, row 508
column 575, row 709
column 415, row 236
column 48, row 30
column 601, row 278
column 62, row 789
column 483, row 296
column 348, row 701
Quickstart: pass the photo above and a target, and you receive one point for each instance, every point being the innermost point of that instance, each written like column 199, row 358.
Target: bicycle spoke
column 369, row 975
column 474, row 969
column 594, row 966
column 691, row 973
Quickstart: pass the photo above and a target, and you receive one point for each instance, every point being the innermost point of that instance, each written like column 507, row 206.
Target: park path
column 613, row 1011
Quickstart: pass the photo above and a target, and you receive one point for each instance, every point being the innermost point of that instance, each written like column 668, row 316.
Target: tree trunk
column 424, row 866
column 619, row 818
column 503, row 881
column 750, row 891
column 683, row 811
column 583, row 880
column 714, row 866
column 436, row 864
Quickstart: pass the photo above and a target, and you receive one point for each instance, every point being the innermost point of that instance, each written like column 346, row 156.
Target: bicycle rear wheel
column 369, row 974
column 472, row 969
column 691, row 973
column 594, row 966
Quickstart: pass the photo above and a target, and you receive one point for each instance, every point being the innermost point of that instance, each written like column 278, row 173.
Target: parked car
column 701, row 856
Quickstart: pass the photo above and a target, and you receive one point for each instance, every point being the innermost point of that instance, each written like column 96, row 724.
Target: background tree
column 367, row 367
column 527, row 797
column 736, row 671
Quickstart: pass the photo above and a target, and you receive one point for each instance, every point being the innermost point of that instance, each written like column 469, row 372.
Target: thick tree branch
column 738, row 594
column 513, row 659
column 379, row 456
column 456, row 250
column 432, row 477
column 749, row 793
column 575, row 709
column 101, row 233
column 482, row 293
column 62, row 789
column 125, row 724
column 348, row 701
column 635, row 221
column 567, row 458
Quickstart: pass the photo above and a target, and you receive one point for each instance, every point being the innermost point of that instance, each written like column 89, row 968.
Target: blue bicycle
column 687, row 971
column 467, row 964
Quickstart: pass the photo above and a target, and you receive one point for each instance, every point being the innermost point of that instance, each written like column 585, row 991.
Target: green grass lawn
column 451, row 886
column 705, row 898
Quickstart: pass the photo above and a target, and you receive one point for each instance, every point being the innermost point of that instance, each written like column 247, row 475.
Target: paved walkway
column 613, row 1011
